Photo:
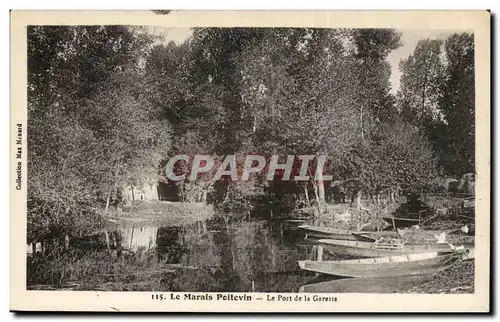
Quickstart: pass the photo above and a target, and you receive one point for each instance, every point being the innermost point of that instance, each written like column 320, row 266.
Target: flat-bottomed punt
column 401, row 222
column 319, row 232
column 410, row 236
column 366, row 285
column 372, row 249
column 401, row 265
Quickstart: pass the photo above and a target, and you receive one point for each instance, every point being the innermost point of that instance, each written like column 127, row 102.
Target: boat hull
column 317, row 232
column 368, row 249
column 377, row 285
column 403, row 265
column 373, row 236
column 411, row 237
column 401, row 222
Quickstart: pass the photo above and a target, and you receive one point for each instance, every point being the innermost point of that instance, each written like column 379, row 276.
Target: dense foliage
column 108, row 106
column 438, row 93
column 91, row 125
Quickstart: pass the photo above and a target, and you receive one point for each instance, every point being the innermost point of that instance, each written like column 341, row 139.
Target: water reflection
column 143, row 238
column 241, row 257
column 257, row 256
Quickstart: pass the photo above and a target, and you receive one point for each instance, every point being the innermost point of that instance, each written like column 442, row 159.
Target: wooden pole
column 319, row 256
column 319, row 253
column 314, row 252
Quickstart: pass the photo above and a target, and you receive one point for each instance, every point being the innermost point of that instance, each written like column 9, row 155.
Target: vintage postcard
column 250, row 161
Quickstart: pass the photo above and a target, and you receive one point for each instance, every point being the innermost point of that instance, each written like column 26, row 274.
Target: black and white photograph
column 224, row 162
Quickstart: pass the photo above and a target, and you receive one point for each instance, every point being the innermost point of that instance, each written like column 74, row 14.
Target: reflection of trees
column 200, row 246
column 242, row 238
column 189, row 245
column 170, row 244
column 253, row 251
column 227, row 276
column 229, row 259
column 139, row 238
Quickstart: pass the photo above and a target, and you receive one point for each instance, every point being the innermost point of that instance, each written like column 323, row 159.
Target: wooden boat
column 366, row 285
column 326, row 232
column 410, row 236
column 369, row 236
column 401, row 222
column 369, row 249
column 400, row 265
column 295, row 220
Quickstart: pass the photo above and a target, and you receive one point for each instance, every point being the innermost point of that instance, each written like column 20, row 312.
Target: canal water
column 258, row 256
column 246, row 256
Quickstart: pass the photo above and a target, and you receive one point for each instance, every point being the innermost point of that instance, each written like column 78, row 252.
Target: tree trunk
column 133, row 195
column 107, row 201
column 107, row 239
column 321, row 192
column 317, row 208
column 113, row 240
column 66, row 241
column 361, row 123
column 226, row 221
column 105, row 211
column 358, row 199
column 316, row 192
column 306, row 193
column 226, row 192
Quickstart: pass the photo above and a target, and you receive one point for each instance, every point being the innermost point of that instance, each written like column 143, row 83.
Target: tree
column 300, row 90
column 419, row 92
column 437, row 94
column 456, row 139
column 371, row 48
column 91, row 127
column 375, row 105
column 406, row 158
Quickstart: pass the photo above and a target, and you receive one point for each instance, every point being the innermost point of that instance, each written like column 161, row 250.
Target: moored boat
column 366, row 285
column 319, row 232
column 376, row 249
column 372, row 236
column 410, row 236
column 401, row 222
column 400, row 265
